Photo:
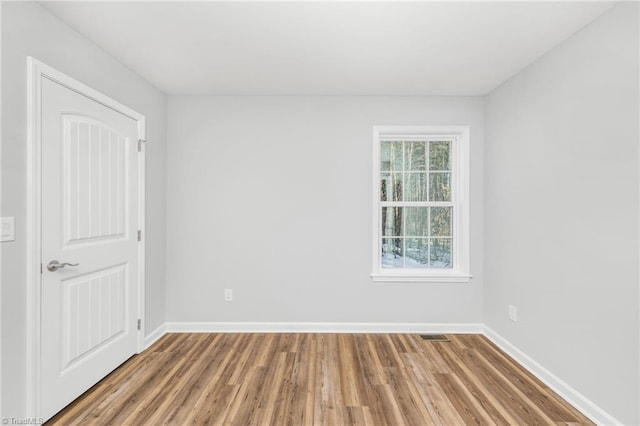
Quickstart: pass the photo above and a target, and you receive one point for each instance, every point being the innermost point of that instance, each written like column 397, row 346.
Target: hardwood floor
column 319, row 379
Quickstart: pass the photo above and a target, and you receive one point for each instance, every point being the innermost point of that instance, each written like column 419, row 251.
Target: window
column 421, row 213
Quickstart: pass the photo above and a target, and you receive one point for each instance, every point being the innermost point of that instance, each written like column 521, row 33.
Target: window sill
column 452, row 277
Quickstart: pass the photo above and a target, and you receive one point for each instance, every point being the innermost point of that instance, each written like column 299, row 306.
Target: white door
column 89, row 310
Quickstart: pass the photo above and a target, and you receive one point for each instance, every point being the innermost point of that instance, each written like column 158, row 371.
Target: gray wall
column 28, row 29
column 561, row 211
column 271, row 197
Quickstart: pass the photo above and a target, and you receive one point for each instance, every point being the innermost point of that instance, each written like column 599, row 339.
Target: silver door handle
column 54, row 265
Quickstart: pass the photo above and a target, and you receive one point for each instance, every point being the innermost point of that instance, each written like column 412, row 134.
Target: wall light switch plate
column 513, row 313
column 7, row 229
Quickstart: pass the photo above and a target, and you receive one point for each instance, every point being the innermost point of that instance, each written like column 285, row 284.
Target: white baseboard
column 155, row 335
column 571, row 395
column 320, row 327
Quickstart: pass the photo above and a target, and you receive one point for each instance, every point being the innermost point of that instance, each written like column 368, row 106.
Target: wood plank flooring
column 319, row 379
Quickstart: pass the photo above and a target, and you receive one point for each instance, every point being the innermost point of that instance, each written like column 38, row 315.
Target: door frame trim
column 36, row 71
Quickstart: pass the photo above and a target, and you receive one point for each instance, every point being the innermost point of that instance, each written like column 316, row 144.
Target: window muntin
column 415, row 203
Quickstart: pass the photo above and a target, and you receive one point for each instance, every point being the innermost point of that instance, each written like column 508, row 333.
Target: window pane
column 415, row 155
column 440, row 186
column 440, row 221
column 440, row 253
column 439, row 155
column 392, row 255
column 392, row 221
column 386, row 187
column 415, row 188
column 417, row 221
column 391, row 155
column 391, row 187
column 417, row 252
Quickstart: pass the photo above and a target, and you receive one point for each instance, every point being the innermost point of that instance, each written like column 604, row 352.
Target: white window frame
column 460, row 199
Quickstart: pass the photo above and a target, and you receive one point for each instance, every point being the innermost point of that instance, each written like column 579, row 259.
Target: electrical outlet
column 228, row 295
column 513, row 313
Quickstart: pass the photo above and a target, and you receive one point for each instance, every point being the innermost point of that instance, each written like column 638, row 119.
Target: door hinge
column 139, row 235
column 139, row 324
column 41, row 269
column 140, row 142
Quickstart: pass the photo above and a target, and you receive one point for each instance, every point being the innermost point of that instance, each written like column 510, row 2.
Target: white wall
column 271, row 197
column 561, row 211
column 28, row 29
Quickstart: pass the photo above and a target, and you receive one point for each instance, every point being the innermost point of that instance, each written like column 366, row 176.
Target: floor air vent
column 434, row 337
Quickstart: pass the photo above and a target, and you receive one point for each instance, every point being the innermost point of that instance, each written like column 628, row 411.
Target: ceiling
column 327, row 48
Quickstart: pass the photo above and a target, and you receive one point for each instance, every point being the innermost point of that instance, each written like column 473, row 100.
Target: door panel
column 93, row 307
column 89, row 217
column 95, row 158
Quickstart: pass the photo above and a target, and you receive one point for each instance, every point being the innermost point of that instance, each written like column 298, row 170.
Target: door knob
column 54, row 265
